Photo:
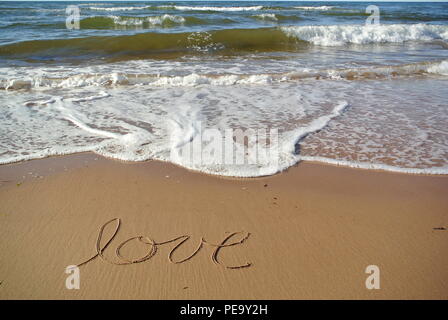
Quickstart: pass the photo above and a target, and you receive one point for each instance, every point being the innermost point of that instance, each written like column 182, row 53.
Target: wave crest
column 428, row 68
column 337, row 35
column 319, row 8
column 206, row 8
column 109, row 22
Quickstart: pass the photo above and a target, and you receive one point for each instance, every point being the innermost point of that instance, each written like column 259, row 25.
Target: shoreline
column 311, row 232
column 77, row 160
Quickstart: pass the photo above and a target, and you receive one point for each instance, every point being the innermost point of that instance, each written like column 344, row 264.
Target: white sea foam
column 119, row 8
column 137, row 124
column 152, row 20
column 319, row 8
column 206, row 8
column 134, row 115
column 440, row 68
column 377, row 166
column 336, row 35
column 266, row 16
column 65, row 80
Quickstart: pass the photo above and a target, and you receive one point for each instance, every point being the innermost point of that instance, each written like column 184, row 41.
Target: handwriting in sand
column 153, row 246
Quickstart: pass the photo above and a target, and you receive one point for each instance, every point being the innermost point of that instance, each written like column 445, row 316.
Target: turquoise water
column 137, row 75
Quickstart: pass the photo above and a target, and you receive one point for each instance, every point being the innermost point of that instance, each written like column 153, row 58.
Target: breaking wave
column 111, row 22
column 113, row 79
column 337, row 35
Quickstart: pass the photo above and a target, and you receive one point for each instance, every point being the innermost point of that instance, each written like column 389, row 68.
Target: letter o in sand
column 145, row 240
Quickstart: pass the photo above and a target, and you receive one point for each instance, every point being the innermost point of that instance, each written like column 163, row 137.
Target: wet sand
column 307, row 233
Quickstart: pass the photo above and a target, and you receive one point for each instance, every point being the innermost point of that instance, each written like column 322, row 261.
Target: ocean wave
column 387, row 16
column 266, row 16
column 319, row 8
column 154, row 44
column 156, row 80
column 345, row 14
column 206, row 8
column 181, row 8
column 274, row 17
column 84, row 80
column 108, row 22
column 439, row 68
column 118, row 8
column 224, row 41
column 121, row 22
column 337, row 35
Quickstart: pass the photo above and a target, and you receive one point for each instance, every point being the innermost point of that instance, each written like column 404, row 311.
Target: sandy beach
column 307, row 233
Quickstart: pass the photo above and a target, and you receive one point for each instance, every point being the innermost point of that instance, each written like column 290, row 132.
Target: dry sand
column 312, row 231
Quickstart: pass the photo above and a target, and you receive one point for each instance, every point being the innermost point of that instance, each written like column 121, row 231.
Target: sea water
column 138, row 79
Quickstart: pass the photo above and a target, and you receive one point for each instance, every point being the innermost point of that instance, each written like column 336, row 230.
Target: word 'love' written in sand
column 153, row 246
